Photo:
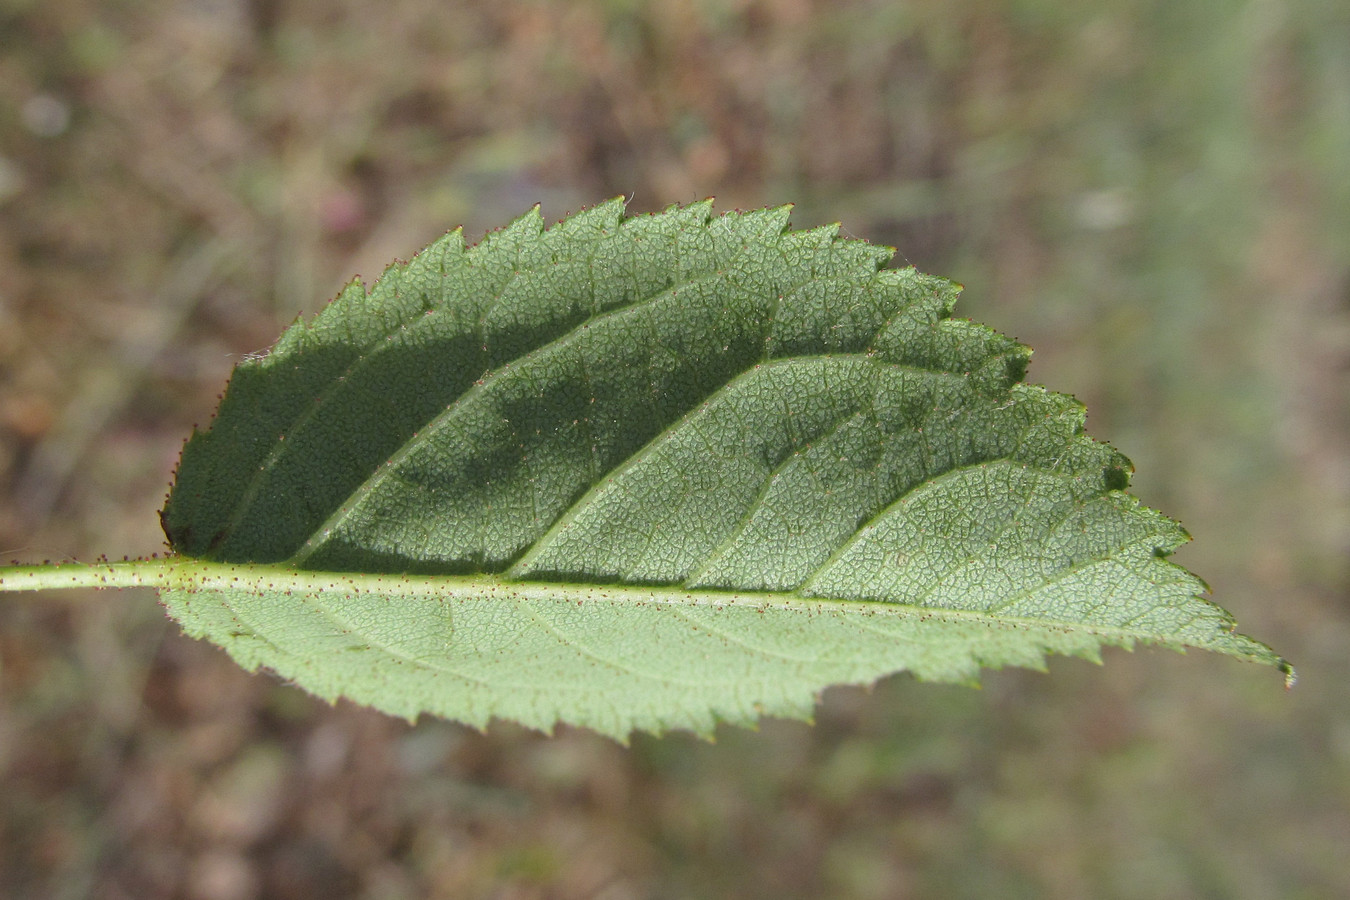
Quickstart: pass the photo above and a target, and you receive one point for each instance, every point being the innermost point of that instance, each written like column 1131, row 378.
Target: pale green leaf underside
column 658, row 472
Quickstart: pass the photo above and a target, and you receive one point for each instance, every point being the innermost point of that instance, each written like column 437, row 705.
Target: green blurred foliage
column 1154, row 195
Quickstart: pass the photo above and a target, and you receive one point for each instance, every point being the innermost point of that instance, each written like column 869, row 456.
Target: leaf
column 658, row 472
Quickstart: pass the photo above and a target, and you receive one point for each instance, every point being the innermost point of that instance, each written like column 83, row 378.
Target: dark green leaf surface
column 669, row 470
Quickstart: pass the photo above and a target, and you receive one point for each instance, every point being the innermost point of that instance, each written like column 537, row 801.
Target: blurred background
column 1155, row 194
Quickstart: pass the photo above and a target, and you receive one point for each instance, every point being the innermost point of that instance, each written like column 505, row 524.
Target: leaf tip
column 1290, row 676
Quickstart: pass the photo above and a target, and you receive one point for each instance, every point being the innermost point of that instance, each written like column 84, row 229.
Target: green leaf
column 658, row 472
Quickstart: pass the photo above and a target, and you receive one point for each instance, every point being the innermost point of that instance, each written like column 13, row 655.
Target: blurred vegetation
column 1155, row 195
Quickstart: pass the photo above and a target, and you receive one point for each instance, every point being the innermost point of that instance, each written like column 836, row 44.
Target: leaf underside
column 678, row 469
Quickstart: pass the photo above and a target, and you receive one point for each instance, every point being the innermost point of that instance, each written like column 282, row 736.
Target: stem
column 55, row 576
column 181, row 573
